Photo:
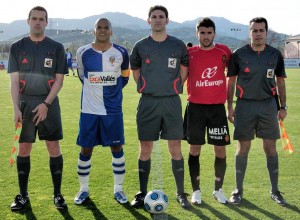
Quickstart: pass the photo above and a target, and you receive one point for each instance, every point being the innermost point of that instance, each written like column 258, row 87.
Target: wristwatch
column 284, row 108
column 47, row 104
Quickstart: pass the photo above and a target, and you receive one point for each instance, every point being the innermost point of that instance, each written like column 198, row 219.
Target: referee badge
column 48, row 63
column 270, row 73
column 172, row 63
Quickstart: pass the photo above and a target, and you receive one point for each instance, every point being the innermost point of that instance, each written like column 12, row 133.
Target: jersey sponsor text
column 103, row 78
column 207, row 83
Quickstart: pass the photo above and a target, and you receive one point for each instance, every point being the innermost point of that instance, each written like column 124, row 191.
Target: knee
column 271, row 152
column 220, row 151
column 86, row 151
column 243, row 148
column 176, row 153
column 195, row 150
column 145, row 152
column 116, row 149
column 242, row 152
column 270, row 147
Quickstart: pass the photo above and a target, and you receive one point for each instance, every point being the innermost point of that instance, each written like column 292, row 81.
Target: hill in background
column 127, row 30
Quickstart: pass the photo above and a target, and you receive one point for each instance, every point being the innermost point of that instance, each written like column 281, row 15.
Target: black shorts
column 199, row 119
column 252, row 117
column 159, row 117
column 50, row 129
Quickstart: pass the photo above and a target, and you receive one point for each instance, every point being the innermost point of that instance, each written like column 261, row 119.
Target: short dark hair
column 189, row 44
column 38, row 8
column 158, row 7
column 259, row 20
column 206, row 22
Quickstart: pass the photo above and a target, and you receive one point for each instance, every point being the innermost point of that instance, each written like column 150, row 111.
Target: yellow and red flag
column 15, row 148
column 286, row 142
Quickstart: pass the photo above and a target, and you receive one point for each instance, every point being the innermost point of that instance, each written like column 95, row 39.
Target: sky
column 283, row 16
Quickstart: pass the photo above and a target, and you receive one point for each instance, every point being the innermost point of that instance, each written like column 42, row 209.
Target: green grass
column 256, row 204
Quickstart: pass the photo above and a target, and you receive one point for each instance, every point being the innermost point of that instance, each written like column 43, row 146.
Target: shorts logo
column 226, row 138
column 48, row 63
column 209, row 72
column 218, row 133
column 172, row 63
column 270, row 73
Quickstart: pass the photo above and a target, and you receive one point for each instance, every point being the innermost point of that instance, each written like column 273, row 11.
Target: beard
column 206, row 44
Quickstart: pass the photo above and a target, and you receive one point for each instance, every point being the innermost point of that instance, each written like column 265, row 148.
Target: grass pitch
column 256, row 204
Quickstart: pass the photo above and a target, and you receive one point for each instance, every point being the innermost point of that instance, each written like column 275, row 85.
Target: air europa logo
column 209, row 72
column 207, row 83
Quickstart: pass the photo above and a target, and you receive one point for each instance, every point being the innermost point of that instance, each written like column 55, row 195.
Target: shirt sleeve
column 80, row 67
column 280, row 69
column 13, row 59
column 233, row 65
column 185, row 56
column 125, row 69
column 135, row 59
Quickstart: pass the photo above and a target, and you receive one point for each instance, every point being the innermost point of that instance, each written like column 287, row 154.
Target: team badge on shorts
column 270, row 73
column 227, row 138
column 48, row 63
column 172, row 63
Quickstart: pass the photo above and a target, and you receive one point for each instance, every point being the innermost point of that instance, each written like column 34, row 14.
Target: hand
column 41, row 113
column 230, row 114
column 281, row 114
column 17, row 116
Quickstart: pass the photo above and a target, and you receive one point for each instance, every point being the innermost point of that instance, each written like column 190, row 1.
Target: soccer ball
column 156, row 201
